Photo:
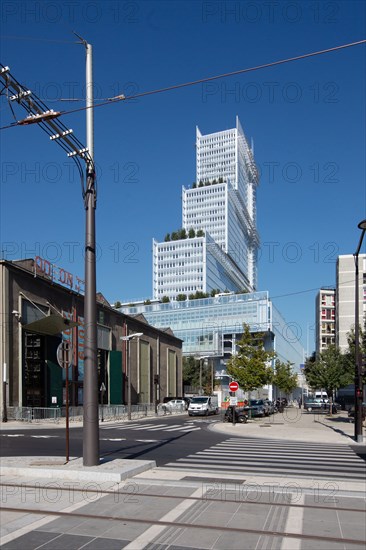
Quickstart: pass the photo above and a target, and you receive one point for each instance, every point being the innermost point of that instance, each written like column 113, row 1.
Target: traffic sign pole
column 233, row 387
column 64, row 354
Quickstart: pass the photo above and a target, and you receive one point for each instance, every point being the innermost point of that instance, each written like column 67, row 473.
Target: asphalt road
column 163, row 439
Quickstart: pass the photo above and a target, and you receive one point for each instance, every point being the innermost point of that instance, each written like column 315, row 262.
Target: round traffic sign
column 233, row 386
column 64, row 354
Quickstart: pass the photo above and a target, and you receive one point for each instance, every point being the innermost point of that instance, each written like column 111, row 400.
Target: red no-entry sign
column 233, row 386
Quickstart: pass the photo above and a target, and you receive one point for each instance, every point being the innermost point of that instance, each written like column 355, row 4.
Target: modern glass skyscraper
column 219, row 219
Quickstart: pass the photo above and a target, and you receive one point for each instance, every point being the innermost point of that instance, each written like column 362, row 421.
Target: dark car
column 320, row 405
column 311, row 404
column 351, row 412
column 240, row 415
column 336, row 407
column 257, row 407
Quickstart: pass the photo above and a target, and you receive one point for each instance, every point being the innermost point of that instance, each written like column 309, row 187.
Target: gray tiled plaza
column 193, row 507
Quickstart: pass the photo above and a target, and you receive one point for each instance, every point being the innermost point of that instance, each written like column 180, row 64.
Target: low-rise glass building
column 211, row 327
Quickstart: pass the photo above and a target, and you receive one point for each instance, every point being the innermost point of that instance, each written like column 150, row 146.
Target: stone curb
column 51, row 468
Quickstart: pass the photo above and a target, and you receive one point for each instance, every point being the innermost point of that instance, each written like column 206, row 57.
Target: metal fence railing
column 34, row 414
column 106, row 412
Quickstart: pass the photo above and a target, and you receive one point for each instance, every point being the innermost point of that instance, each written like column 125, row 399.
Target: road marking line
column 154, row 427
column 294, row 525
column 150, row 534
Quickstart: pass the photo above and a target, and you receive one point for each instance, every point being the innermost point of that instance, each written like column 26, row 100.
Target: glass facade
column 221, row 204
column 205, row 325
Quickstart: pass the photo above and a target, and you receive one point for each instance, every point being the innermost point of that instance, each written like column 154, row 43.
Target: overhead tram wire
column 47, row 119
column 121, row 97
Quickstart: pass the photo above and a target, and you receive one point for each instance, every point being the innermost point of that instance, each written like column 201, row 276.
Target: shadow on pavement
column 337, row 420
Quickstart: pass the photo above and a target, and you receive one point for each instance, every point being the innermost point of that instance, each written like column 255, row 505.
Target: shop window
column 33, row 373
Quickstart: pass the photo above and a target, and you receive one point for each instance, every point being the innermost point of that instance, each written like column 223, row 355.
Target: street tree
column 250, row 367
column 190, row 371
column 350, row 354
column 284, row 378
column 194, row 372
column 327, row 371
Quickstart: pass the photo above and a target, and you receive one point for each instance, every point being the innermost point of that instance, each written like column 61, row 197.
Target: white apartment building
column 325, row 319
column 345, row 296
column 222, row 204
column 189, row 265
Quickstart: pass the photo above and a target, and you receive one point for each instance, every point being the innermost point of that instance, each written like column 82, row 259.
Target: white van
column 204, row 404
column 322, row 396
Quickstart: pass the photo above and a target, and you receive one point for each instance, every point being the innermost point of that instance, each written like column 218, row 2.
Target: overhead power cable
column 47, row 119
column 122, row 97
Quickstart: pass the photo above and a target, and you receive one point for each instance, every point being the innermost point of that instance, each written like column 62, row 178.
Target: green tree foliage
column 200, row 233
column 198, row 295
column 117, row 304
column 191, row 374
column 249, row 367
column 283, row 377
column 147, row 302
column 181, row 297
column 174, row 236
column 191, row 233
column 328, row 371
column 350, row 355
column 167, row 237
column 182, row 234
column 165, row 299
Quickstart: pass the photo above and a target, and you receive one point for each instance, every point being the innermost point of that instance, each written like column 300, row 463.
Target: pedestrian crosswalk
column 276, row 457
column 153, row 427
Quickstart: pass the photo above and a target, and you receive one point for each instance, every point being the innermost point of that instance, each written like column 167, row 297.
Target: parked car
column 176, row 405
column 336, row 407
column 257, row 407
column 320, row 405
column 311, row 404
column 270, row 406
column 241, row 416
column 187, row 400
column 351, row 413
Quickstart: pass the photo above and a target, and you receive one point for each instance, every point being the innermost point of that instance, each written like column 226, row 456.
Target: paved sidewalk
column 134, row 505
column 299, row 425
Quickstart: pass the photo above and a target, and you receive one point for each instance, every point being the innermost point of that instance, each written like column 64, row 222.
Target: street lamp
column 127, row 339
column 203, row 358
column 358, row 373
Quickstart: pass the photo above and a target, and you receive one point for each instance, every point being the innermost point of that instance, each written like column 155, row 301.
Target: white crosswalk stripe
column 271, row 457
column 151, row 427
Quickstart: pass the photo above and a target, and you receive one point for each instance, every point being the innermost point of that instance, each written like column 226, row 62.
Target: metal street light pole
column 48, row 120
column 201, row 358
column 358, row 373
column 127, row 339
column 91, row 417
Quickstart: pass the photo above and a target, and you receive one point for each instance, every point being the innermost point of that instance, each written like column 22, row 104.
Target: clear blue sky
column 307, row 120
